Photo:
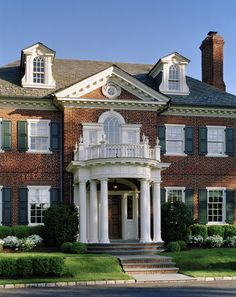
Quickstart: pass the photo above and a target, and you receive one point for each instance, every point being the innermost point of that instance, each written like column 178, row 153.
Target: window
column 174, row 78
column 38, row 135
column 92, row 137
column 38, row 70
column 130, row 207
column 216, row 140
column 175, row 194
column 111, row 128
column 39, row 201
column 175, row 139
column 216, row 205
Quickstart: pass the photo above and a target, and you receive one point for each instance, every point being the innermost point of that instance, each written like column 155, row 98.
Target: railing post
column 103, row 146
column 157, row 150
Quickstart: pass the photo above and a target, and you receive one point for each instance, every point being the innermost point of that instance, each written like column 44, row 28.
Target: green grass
column 206, row 262
column 78, row 268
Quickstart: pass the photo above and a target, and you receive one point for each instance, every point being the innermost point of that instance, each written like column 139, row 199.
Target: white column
column 156, row 212
column 104, row 212
column 82, row 212
column 145, row 212
column 93, row 213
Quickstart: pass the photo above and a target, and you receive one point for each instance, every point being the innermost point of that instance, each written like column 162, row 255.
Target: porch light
column 115, row 185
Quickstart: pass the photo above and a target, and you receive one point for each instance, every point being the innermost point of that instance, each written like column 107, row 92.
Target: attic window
column 38, row 70
column 174, row 78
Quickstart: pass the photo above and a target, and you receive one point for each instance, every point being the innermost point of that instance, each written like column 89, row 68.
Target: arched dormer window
column 174, row 78
column 38, row 70
column 112, row 129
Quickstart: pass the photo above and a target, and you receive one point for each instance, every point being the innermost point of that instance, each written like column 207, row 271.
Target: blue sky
column 138, row 31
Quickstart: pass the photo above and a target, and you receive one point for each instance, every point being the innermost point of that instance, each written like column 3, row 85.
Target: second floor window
column 38, row 70
column 216, row 140
column 38, row 135
column 174, row 139
column 111, row 128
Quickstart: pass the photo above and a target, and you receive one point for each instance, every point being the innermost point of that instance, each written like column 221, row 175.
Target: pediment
column 131, row 88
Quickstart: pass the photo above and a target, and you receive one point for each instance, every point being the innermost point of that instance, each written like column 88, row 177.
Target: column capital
column 103, row 179
column 82, row 180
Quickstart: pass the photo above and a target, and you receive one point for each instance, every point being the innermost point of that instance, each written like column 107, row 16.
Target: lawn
column 78, row 268
column 206, row 262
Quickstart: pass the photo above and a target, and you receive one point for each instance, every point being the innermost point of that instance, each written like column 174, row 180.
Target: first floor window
column 39, row 201
column 216, row 202
column 130, row 207
column 39, row 135
column 175, row 194
column 175, row 139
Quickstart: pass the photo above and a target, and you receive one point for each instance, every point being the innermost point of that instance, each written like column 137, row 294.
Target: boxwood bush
column 21, row 231
column 229, row 231
column 216, row 230
column 198, row 229
column 73, row 248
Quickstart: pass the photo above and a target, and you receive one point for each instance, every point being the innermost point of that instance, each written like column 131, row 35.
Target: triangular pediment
column 113, row 75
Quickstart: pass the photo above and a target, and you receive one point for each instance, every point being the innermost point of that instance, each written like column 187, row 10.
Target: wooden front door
column 114, row 217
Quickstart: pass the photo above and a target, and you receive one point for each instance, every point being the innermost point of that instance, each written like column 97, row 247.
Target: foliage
column 11, row 242
column 173, row 246
column 67, row 247
column 175, row 221
column 73, row 248
column 30, row 266
column 60, row 224
column 215, row 230
column 21, row 231
column 196, row 240
column 198, row 229
column 229, row 231
column 29, row 243
column 214, row 241
column 230, row 242
column 182, row 244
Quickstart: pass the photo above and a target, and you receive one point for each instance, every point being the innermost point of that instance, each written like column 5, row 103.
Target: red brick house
column 117, row 140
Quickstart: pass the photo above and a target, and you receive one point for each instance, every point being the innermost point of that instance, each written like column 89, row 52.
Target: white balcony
column 105, row 150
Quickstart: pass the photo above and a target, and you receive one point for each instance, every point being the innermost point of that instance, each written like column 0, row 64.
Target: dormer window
column 174, row 78
column 37, row 61
column 38, row 70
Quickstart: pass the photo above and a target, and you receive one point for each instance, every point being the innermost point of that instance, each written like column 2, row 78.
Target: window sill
column 216, row 223
column 217, row 155
column 39, row 152
column 176, row 155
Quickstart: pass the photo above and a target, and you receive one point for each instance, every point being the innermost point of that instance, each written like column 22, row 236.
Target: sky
column 136, row 31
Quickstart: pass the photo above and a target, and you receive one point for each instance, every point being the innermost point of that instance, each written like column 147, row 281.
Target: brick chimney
column 212, row 60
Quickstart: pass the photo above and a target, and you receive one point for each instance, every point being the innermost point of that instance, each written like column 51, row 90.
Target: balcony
column 103, row 150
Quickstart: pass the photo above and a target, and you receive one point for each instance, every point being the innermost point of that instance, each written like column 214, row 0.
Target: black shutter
column 202, row 206
column 229, row 140
column 161, row 131
column 54, row 196
column 55, row 136
column 23, row 206
column 6, row 135
column 202, row 141
column 6, row 206
column 22, row 129
column 189, row 200
column 229, row 206
column 163, row 196
column 189, row 140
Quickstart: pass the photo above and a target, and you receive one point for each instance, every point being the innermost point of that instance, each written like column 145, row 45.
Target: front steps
column 123, row 248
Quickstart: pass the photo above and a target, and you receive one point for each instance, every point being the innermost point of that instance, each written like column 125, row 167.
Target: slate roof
column 69, row 72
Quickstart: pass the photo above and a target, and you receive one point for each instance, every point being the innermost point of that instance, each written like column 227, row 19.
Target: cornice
column 27, row 103
column 200, row 111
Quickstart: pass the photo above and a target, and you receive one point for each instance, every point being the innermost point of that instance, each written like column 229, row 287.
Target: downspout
column 61, row 154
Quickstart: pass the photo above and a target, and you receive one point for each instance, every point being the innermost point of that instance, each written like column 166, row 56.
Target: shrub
column 198, row 229
column 20, row 231
column 67, row 247
column 196, row 240
column 24, row 266
column 175, row 221
column 60, row 224
column 56, row 266
column 11, row 242
column 214, row 241
column 29, row 243
column 40, row 265
column 8, row 267
column 182, row 244
column 229, row 231
column 79, row 248
column 1, row 244
column 230, row 242
column 5, row 231
column 173, row 246
column 215, row 230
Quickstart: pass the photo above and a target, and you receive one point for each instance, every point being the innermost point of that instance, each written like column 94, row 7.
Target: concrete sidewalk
column 161, row 277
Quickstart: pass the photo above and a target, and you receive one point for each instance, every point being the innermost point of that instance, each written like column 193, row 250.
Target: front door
column 114, row 217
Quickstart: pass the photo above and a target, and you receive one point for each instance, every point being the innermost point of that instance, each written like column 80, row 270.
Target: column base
column 93, row 241
column 158, row 240
column 145, row 240
column 107, row 241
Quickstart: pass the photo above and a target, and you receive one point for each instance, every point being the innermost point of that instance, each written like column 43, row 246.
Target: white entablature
column 117, row 77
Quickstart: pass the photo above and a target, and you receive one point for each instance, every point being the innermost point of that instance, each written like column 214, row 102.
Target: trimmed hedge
column 229, row 231
column 224, row 231
column 74, row 248
column 21, row 231
column 198, row 229
column 31, row 266
column 216, row 230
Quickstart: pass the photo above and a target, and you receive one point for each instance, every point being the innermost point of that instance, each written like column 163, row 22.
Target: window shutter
column 202, row 141
column 229, row 206
column 54, row 136
column 229, row 140
column 22, row 129
column 54, row 196
column 23, row 206
column 162, row 138
column 189, row 200
column 163, row 196
column 6, row 135
column 6, row 206
column 202, row 206
column 189, row 140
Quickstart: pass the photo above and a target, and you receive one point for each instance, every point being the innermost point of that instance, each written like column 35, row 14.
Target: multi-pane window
column 112, row 131
column 174, row 194
column 38, row 70
column 39, row 201
column 174, row 139
column 216, row 205
column 174, row 78
column 38, row 135
column 216, row 140
column 92, row 137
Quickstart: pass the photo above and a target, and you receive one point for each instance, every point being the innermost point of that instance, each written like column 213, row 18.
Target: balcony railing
column 105, row 150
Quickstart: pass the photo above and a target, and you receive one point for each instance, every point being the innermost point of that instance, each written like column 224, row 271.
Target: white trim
column 110, row 113
column 1, row 205
column 212, row 154
column 223, row 204
column 183, row 140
